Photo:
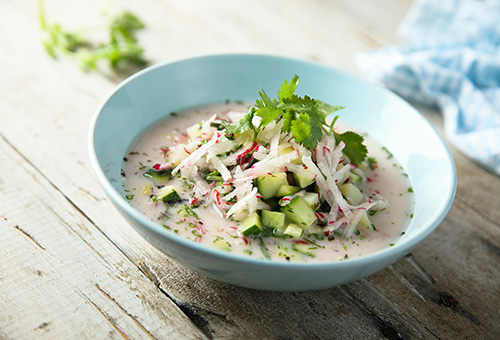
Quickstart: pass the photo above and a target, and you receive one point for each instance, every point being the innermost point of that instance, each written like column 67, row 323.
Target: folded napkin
column 451, row 59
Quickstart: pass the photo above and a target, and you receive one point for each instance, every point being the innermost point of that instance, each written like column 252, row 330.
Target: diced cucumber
column 168, row 194
column 364, row 222
column 302, row 181
column 359, row 172
column 177, row 153
column 300, row 212
column 345, row 175
column 351, row 193
column 194, row 131
column 315, row 229
column 146, row 189
column 312, row 199
column 269, row 185
column 287, row 150
column 284, row 151
column 355, row 178
column 220, row 243
column 273, row 219
column 286, row 190
column 159, row 175
column 251, row 225
column 293, row 230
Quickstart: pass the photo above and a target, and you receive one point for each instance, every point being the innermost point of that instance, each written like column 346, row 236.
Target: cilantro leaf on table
column 123, row 48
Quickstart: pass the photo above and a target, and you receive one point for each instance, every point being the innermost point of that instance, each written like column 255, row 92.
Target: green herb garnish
column 121, row 50
column 264, row 249
column 303, row 117
column 389, row 154
column 304, row 252
column 371, row 162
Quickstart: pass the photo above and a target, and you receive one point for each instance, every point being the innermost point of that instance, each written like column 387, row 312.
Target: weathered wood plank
column 62, row 278
column 378, row 19
column 437, row 292
column 405, row 300
column 452, row 276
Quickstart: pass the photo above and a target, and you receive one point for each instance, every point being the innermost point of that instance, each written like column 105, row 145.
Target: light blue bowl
column 153, row 93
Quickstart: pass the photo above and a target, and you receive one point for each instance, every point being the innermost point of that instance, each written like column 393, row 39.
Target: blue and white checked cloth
column 451, row 59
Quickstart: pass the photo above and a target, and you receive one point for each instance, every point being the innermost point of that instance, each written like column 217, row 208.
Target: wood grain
column 59, row 271
column 70, row 266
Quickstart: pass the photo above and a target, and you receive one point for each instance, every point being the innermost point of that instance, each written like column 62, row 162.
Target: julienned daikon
column 276, row 180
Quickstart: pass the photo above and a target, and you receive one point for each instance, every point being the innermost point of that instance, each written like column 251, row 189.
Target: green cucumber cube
column 365, row 222
column 273, row 219
column 300, row 212
column 351, row 193
column 302, row 182
column 312, row 198
column 293, row 230
column 220, row 243
column 315, row 229
column 286, row 190
column 355, row 178
column 168, row 194
column 269, row 185
column 251, row 225
column 194, row 131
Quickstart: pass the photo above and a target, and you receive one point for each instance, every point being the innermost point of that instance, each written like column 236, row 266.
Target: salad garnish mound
column 281, row 170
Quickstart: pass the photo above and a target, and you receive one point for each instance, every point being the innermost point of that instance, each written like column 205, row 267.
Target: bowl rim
column 402, row 246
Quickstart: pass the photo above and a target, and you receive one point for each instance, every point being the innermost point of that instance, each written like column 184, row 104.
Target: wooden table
column 72, row 268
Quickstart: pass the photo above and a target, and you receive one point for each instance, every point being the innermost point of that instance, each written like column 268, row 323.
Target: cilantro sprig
column 122, row 49
column 303, row 117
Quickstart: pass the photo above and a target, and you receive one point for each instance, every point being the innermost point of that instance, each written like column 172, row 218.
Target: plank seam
column 125, row 311
column 106, row 316
column 460, row 201
column 35, row 169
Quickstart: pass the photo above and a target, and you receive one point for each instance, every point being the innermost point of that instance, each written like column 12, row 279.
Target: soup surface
column 388, row 199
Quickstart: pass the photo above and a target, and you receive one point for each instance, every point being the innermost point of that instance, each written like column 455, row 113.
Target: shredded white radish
column 271, row 164
column 207, row 131
column 201, row 187
column 334, row 225
column 219, row 166
column 320, row 180
column 242, row 203
column 245, row 157
column 234, row 116
column 197, row 154
column 353, row 222
column 301, row 171
column 333, row 190
column 270, row 131
column 273, row 149
column 261, row 152
column 222, row 146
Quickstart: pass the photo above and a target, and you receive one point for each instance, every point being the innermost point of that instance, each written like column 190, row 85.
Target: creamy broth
column 205, row 225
